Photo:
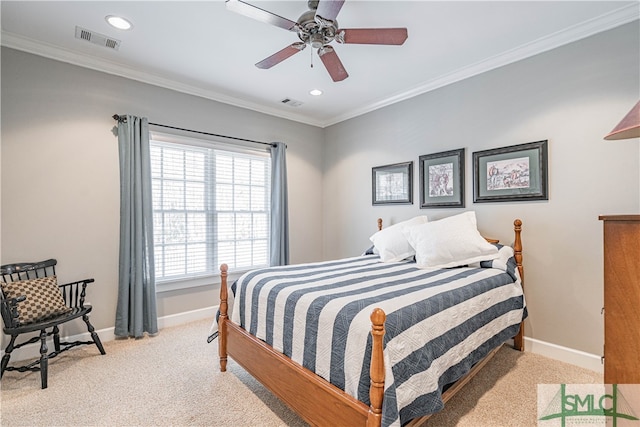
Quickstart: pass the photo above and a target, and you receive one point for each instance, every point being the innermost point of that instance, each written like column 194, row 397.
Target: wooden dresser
column 621, row 299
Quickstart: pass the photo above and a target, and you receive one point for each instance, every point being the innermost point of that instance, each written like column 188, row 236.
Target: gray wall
column 571, row 96
column 60, row 176
column 60, row 169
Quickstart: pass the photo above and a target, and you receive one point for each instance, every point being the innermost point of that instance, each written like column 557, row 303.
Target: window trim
column 205, row 279
column 208, row 143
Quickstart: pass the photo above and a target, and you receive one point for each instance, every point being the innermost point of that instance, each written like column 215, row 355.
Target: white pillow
column 449, row 242
column 391, row 243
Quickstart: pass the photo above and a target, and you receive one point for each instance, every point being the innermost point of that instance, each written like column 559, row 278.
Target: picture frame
column 513, row 173
column 392, row 184
column 442, row 179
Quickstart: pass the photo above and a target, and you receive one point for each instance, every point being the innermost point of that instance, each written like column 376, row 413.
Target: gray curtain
column 136, row 311
column 279, row 206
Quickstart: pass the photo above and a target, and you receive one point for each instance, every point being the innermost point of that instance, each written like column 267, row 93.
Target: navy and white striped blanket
column 439, row 323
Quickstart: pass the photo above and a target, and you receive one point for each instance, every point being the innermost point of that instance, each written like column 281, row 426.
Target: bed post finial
column 376, row 388
column 222, row 325
column 379, row 224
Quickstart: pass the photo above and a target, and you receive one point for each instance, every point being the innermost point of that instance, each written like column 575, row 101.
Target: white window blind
column 210, row 206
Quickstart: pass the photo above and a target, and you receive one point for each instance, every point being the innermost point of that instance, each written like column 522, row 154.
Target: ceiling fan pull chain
column 311, row 50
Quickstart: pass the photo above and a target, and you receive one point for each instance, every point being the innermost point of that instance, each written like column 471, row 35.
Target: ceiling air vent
column 97, row 38
column 292, row 102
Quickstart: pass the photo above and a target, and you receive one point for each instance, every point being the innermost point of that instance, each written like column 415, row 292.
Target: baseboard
column 186, row 317
column 564, row 354
column 32, row 351
column 553, row 351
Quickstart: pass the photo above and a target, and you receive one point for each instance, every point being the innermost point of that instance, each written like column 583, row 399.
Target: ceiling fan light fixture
column 316, row 40
column 118, row 22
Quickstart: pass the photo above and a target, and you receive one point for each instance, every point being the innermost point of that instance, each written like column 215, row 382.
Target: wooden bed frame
column 313, row 398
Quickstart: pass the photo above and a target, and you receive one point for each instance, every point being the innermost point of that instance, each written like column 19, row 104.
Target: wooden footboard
column 314, row 399
column 322, row 403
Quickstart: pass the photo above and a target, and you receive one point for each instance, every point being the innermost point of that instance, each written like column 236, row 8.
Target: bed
column 371, row 340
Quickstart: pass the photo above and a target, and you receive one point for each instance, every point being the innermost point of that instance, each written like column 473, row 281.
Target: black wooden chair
column 32, row 301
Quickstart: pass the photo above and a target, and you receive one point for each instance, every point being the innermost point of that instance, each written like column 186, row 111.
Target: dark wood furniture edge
column 621, row 288
column 629, row 217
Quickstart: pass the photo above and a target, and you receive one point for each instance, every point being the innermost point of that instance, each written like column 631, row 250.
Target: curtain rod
column 124, row 119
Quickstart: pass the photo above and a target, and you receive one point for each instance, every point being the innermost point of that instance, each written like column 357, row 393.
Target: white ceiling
column 201, row 48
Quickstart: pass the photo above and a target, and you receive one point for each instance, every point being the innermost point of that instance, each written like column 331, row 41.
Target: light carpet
column 173, row 379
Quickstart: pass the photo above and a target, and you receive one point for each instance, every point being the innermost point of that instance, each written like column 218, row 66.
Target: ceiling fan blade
column 329, row 9
column 394, row 36
column 332, row 63
column 280, row 56
column 255, row 12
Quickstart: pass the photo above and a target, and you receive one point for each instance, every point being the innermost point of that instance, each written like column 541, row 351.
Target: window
column 210, row 205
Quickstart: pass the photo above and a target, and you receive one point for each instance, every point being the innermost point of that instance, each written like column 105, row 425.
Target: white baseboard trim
column 186, row 317
column 32, row 351
column 553, row 351
column 564, row 354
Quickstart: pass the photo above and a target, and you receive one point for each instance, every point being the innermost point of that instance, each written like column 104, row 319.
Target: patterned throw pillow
column 43, row 298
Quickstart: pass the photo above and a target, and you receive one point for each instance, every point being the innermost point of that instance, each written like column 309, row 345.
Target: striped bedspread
column 439, row 323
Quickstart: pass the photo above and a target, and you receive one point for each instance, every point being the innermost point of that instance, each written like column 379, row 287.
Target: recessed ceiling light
column 118, row 22
column 315, row 92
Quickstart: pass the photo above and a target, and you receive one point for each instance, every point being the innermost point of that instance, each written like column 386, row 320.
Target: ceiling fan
column 318, row 27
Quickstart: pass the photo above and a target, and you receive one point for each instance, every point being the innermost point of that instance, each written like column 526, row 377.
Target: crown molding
column 577, row 32
column 46, row 50
column 572, row 34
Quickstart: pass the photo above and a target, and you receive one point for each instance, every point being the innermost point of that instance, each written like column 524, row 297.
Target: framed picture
column 442, row 180
column 392, row 184
column 514, row 173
